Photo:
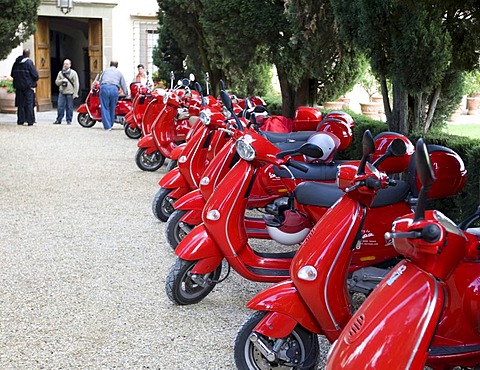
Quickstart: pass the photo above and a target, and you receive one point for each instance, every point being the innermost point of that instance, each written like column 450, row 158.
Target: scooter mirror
column 191, row 77
column 397, row 147
column 222, row 85
column 185, row 82
column 199, row 89
column 368, row 147
column 227, row 102
column 425, row 175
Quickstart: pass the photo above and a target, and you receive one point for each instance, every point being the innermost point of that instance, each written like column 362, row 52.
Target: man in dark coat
column 25, row 77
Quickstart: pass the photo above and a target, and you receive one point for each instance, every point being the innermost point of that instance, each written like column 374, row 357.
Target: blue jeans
column 65, row 102
column 108, row 102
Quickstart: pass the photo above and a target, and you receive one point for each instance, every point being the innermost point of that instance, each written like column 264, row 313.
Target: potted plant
column 374, row 107
column 7, row 95
column 472, row 89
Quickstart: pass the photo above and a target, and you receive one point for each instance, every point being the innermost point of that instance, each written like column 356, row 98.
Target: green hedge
column 457, row 207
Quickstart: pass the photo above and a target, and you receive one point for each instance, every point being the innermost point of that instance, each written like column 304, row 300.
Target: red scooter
column 133, row 119
column 177, row 111
column 335, row 261
column 425, row 312
column 90, row 113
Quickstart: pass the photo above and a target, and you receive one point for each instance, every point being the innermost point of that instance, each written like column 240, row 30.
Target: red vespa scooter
column 169, row 128
column 133, row 120
column 425, row 311
column 333, row 263
column 90, row 113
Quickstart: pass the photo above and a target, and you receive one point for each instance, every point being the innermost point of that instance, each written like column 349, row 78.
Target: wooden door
column 42, row 63
column 95, row 55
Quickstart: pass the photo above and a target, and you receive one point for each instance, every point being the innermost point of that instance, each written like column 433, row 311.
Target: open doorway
column 69, row 40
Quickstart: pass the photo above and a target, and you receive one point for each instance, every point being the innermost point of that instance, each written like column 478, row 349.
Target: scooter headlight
column 245, row 150
column 205, row 117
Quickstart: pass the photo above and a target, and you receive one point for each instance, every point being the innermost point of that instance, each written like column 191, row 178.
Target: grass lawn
column 469, row 130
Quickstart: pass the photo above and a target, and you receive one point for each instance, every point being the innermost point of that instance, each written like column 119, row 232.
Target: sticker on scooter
column 396, row 275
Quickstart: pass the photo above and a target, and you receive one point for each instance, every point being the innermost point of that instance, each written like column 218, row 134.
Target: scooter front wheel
column 176, row 229
column 132, row 133
column 85, row 120
column 162, row 204
column 184, row 288
column 149, row 162
column 299, row 350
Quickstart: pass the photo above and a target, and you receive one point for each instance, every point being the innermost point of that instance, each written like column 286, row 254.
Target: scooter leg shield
column 285, row 306
column 198, row 246
column 405, row 308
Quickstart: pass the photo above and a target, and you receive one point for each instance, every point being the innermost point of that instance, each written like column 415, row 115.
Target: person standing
column 111, row 81
column 68, row 85
column 141, row 76
column 25, row 77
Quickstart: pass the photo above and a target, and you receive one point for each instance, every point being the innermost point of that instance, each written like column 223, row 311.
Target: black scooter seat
column 325, row 195
column 289, row 137
column 316, row 171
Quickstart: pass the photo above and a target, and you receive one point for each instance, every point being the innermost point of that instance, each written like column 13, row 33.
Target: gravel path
column 83, row 260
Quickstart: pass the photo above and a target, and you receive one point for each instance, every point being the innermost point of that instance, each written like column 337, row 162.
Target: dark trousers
column 25, row 102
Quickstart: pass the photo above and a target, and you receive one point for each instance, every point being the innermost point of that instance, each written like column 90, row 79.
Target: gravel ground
column 83, row 260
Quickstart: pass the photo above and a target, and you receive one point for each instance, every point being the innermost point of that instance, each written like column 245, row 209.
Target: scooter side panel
column 82, row 109
column 394, row 326
column 177, row 152
column 197, row 245
column 282, row 299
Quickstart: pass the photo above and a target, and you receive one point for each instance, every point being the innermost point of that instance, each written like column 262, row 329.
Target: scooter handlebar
column 430, row 233
column 297, row 165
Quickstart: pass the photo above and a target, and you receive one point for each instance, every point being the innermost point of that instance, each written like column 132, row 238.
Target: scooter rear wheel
column 182, row 288
column 300, row 348
column 132, row 133
column 85, row 120
column 149, row 162
column 162, row 204
column 176, row 229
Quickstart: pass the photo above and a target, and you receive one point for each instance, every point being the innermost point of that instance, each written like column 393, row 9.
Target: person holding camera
column 67, row 82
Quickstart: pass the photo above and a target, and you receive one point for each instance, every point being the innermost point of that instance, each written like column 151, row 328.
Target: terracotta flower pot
column 473, row 105
column 371, row 109
column 7, row 101
column 333, row 105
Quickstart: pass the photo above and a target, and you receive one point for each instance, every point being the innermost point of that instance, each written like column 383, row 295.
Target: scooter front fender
column 177, row 151
column 286, row 310
column 199, row 246
column 173, row 179
column 82, row 109
column 395, row 325
column 147, row 142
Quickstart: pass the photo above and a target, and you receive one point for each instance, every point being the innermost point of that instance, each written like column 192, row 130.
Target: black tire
column 85, row 120
column 149, row 162
column 171, row 164
column 175, row 229
column 132, row 133
column 182, row 289
column 302, row 345
column 162, row 204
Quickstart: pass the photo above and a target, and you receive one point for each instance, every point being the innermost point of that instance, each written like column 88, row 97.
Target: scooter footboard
column 286, row 310
column 198, row 246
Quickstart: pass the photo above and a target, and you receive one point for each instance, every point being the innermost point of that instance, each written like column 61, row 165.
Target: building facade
column 91, row 34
